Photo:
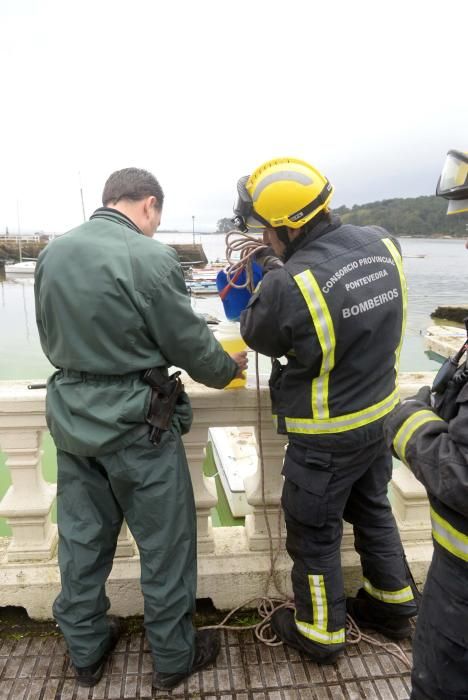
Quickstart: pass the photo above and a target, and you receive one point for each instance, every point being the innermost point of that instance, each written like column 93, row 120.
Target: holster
column 164, row 394
column 274, row 383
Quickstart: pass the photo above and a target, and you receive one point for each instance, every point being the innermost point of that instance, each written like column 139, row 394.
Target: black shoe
column 367, row 615
column 207, row 646
column 90, row 675
column 283, row 625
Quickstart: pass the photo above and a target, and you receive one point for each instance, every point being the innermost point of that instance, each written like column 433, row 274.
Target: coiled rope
column 240, row 251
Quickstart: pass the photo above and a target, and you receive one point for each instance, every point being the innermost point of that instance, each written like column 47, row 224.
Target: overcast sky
column 201, row 92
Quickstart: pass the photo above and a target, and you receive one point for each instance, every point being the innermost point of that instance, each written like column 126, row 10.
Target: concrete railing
column 233, row 562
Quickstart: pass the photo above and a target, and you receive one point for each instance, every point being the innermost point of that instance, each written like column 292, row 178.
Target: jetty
column 456, row 314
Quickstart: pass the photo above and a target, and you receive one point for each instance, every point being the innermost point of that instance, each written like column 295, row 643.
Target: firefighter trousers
column 440, row 645
column 320, row 490
column 150, row 487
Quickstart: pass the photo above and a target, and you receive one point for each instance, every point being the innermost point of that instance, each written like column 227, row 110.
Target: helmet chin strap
column 282, row 233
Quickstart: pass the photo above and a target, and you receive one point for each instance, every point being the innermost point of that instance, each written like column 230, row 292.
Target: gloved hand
column 183, row 414
column 422, row 396
column 267, row 260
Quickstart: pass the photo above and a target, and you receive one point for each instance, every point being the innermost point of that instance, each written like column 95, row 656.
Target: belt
column 85, row 376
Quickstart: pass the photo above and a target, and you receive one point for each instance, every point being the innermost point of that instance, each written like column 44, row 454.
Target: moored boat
column 22, row 268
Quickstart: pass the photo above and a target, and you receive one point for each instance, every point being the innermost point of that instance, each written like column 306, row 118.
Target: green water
column 49, row 472
column 221, row 515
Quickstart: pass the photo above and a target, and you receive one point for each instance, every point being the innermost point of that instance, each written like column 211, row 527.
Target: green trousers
column 151, row 487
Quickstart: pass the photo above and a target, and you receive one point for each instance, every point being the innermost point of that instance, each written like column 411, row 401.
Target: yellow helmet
column 282, row 192
column 453, row 182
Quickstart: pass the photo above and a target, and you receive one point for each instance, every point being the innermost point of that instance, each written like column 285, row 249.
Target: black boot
column 368, row 615
column 90, row 675
column 207, row 646
column 283, row 625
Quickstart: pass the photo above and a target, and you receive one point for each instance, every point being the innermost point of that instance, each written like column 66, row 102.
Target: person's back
column 111, row 303
column 351, row 281
column 95, row 281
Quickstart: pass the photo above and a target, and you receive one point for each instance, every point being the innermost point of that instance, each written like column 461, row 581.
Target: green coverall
column 110, row 303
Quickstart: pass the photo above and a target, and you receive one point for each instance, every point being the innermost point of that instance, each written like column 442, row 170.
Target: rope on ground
column 354, row 636
column 262, row 630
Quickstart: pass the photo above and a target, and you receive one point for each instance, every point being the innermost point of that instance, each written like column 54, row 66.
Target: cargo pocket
column 305, row 496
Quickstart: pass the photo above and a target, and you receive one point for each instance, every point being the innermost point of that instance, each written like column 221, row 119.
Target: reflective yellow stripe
column 319, row 601
column 448, row 537
column 404, row 295
column 401, row 596
column 408, row 429
column 318, row 635
column 317, row 631
column 321, row 422
column 323, row 325
column 340, row 424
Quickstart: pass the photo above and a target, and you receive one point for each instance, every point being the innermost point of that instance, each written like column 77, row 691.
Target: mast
column 19, row 231
column 82, row 198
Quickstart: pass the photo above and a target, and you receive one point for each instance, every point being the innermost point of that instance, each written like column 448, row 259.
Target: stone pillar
column 267, row 517
column 204, row 488
column 212, row 408
column 28, row 502
column 410, row 505
column 125, row 542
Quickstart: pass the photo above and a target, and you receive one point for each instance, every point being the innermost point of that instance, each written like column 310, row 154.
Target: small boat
column 22, row 268
column 201, row 287
column 208, row 273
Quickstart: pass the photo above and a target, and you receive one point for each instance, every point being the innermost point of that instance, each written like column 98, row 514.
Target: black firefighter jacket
column 437, row 453
column 336, row 311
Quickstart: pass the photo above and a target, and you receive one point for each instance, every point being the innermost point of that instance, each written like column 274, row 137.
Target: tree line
column 412, row 216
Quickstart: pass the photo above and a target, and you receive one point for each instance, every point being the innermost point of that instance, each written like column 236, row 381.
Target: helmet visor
column 244, row 215
column 453, row 182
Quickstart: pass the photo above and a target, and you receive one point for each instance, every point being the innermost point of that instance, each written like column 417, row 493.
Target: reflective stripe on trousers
column 317, row 632
column 402, row 596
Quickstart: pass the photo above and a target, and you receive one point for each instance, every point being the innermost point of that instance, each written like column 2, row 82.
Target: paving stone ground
column 37, row 668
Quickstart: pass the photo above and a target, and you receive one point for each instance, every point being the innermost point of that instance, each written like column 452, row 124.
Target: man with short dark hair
column 131, row 184
column 110, row 304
